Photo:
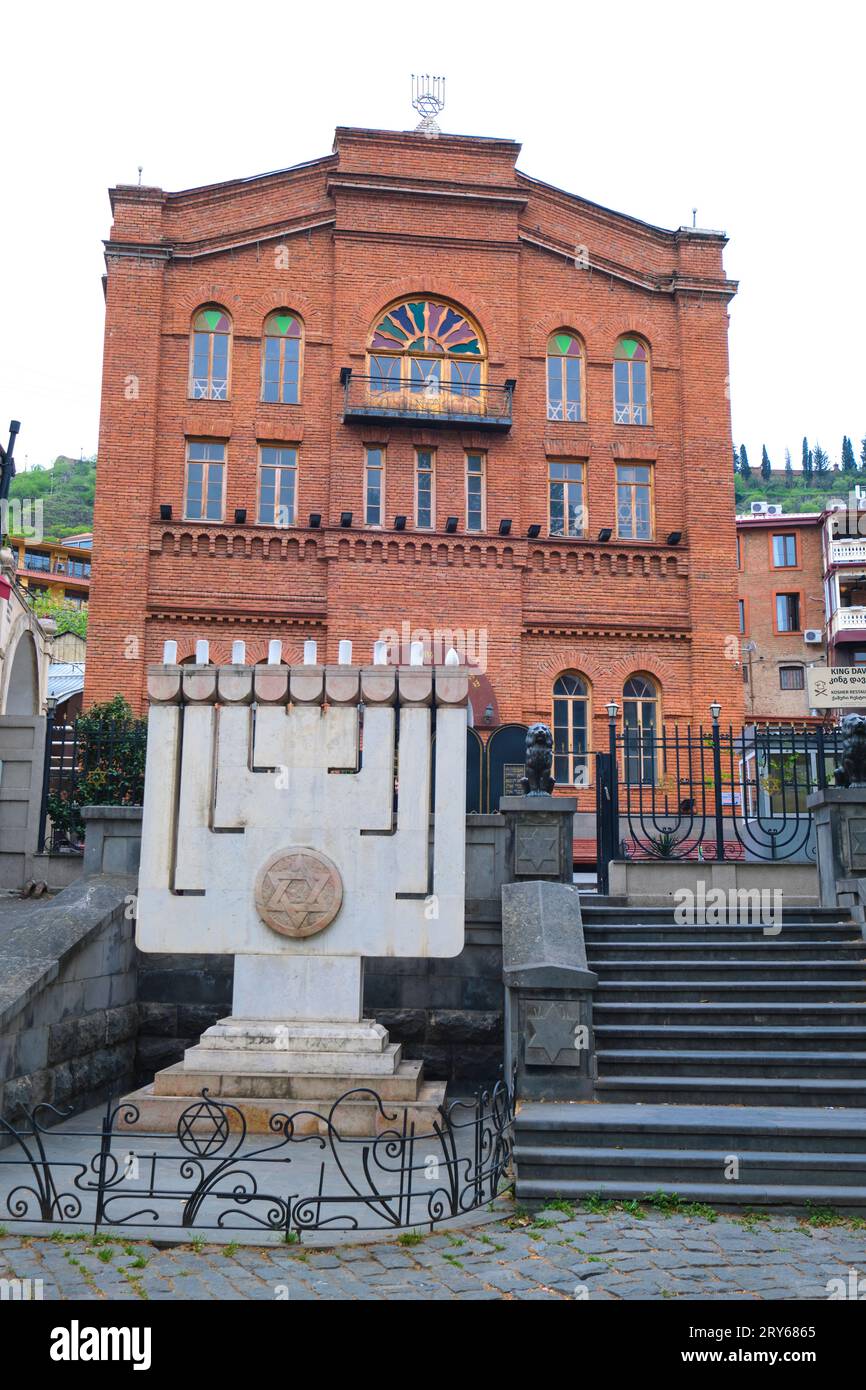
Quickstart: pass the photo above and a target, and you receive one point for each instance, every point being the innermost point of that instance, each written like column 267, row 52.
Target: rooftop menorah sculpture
column 287, row 822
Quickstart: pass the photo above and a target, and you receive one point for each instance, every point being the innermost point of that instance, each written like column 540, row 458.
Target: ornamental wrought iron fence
column 711, row 794
column 308, row 1173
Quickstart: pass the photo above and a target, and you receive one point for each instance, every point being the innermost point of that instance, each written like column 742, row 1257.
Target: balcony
column 429, row 403
column 848, row 552
column 848, row 624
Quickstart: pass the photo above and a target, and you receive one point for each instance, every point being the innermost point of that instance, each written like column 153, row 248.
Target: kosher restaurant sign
column 836, row 687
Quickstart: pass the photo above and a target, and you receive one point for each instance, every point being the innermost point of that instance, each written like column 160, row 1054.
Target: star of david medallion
column 298, row 892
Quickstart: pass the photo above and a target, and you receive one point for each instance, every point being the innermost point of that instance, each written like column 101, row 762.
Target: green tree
column 863, row 454
column 111, row 748
column 849, row 462
column 807, row 459
column 745, row 466
column 766, row 466
column 821, row 459
column 67, row 616
column 789, row 469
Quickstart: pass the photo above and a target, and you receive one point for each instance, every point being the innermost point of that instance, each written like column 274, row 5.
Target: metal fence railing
column 712, row 794
column 98, row 765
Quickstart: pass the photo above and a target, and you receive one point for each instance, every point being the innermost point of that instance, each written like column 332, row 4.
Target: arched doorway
column 22, row 689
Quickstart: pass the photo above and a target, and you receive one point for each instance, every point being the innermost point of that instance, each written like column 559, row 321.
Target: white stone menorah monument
column 287, row 823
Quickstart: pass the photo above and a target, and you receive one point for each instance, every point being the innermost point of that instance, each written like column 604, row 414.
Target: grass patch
column 231, row 1249
column 410, row 1238
column 453, row 1260
column 828, row 1216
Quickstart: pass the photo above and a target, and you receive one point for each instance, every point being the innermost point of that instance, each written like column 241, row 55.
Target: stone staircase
column 714, row 1043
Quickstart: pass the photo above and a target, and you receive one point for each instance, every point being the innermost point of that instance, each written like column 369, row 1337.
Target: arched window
column 209, row 355
column 641, row 724
column 631, row 382
column 570, row 730
column 281, row 358
column 427, row 352
column 564, row 377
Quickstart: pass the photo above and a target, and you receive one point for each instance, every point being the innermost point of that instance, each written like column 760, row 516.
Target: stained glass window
column 564, row 377
column 281, row 358
column 209, row 367
column 631, row 382
column 426, row 326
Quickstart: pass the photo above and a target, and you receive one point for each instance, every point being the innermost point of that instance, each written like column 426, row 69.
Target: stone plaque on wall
column 555, row 1033
column 512, row 776
column 857, row 843
column 536, row 849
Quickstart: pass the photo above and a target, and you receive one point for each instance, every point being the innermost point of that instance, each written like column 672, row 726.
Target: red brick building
column 412, row 328
column 780, row 567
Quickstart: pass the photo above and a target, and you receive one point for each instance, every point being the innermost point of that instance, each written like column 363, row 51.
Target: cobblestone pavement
column 559, row 1254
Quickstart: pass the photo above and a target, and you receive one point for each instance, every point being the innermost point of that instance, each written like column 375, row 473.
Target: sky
column 753, row 113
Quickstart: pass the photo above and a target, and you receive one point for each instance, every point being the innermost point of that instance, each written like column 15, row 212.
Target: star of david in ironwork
column 203, row 1129
column 551, row 1031
column 298, row 892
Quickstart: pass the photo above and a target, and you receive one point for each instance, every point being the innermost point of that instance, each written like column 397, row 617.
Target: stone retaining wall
column 68, row 1011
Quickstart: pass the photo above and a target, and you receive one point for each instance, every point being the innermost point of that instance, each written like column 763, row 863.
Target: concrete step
column 602, row 911
column 793, row 1198
column 731, row 1037
column 360, row 1116
column 736, row 991
column 742, row 971
column 711, row 1089
column 665, row 1015
column 640, row 932
column 663, row 1064
column 668, row 1168
column 182, row 1080
column 766, row 948
column 732, row 1129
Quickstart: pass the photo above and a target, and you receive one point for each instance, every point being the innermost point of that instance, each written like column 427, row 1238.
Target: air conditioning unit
column 758, row 508
column 813, row 636
column 773, row 509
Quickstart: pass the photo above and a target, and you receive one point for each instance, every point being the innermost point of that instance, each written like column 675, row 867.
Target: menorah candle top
column 309, row 683
column 287, row 808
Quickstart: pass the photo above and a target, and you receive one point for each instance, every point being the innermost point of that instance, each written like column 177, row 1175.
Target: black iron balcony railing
column 432, row 403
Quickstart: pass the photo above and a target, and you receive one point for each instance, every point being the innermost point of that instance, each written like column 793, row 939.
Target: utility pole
column 7, row 473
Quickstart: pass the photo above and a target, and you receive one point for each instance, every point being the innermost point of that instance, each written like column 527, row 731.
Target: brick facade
column 336, row 241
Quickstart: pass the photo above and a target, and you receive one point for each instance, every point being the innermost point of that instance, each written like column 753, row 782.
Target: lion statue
column 539, row 761
column 852, row 773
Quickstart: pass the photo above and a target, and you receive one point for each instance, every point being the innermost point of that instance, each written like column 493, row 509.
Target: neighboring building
column 25, row 648
column 782, row 622
column 406, row 382
column 59, row 568
column 844, row 540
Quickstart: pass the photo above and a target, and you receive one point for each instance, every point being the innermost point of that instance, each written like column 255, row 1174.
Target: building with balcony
column 58, row 568
column 844, row 548
column 407, row 383
column 780, row 568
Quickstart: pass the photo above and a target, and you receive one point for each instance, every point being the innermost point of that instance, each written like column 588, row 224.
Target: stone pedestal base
column 266, row 1068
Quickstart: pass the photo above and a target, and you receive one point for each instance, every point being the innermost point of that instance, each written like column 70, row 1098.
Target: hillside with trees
column 802, row 487
column 66, row 489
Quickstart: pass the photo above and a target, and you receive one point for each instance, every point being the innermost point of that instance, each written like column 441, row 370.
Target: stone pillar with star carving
column 548, row 993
